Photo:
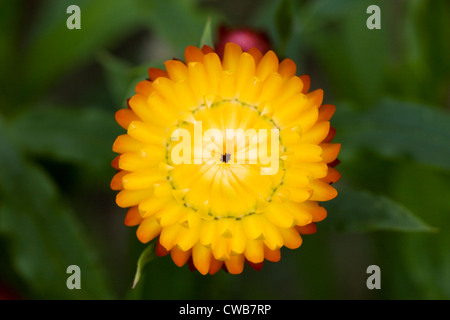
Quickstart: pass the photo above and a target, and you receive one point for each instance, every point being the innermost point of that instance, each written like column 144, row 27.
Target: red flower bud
column 246, row 38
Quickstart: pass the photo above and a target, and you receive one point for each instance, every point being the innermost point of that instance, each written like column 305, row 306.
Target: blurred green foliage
column 61, row 87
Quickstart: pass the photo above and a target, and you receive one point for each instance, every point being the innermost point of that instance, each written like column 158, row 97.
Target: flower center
column 219, row 154
column 226, row 157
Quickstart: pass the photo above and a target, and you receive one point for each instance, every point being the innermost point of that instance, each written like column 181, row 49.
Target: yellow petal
column 306, row 83
column 231, row 56
column 185, row 94
column 267, row 65
column 316, row 97
column 301, row 215
column 250, row 91
column 272, row 235
column 188, row 237
column 296, row 178
column 291, row 238
column 176, row 69
column 162, row 188
column 148, row 230
column 270, row 87
column 256, row 54
column 317, row 133
column 179, row 256
column 272, row 255
column 238, row 241
column 198, row 79
column 129, row 198
column 141, row 179
column 133, row 218
column 124, row 143
column 306, row 118
column 253, row 226
column 289, row 88
column 221, row 249
column 169, row 102
column 227, row 85
column 289, row 110
column 144, row 87
column 290, row 137
column 333, row 176
column 322, row 191
column 116, row 182
column 144, row 133
column 193, row 54
column 287, row 68
column 169, row 236
column 137, row 161
column 201, row 257
column 314, row 170
column 279, row 216
column 326, row 111
column 235, row 264
column 307, row 152
column 153, row 153
column 299, row 194
column 138, row 103
column 330, row 151
column 213, row 68
column 125, row 116
column 317, row 211
column 246, row 70
column 208, row 232
column 170, row 213
column 151, row 205
column 164, row 114
column 225, row 227
column 254, row 251
column 215, row 266
column 155, row 73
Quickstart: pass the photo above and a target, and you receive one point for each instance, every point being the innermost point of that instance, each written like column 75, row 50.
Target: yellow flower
column 225, row 160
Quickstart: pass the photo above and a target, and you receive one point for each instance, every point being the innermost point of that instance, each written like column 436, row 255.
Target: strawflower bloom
column 225, row 160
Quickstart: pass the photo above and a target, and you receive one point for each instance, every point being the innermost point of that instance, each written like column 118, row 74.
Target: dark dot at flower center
column 226, row 157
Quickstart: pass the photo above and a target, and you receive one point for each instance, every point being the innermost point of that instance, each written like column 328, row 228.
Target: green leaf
column 323, row 11
column 361, row 211
column 425, row 257
column 146, row 256
column 9, row 23
column 207, row 38
column 264, row 18
column 10, row 26
column 284, row 22
column 353, row 57
column 54, row 49
column 44, row 235
column 178, row 22
column 431, row 23
column 76, row 136
column 122, row 77
column 400, row 129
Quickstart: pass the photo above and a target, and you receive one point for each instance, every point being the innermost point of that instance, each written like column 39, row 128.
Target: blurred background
column 60, row 89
